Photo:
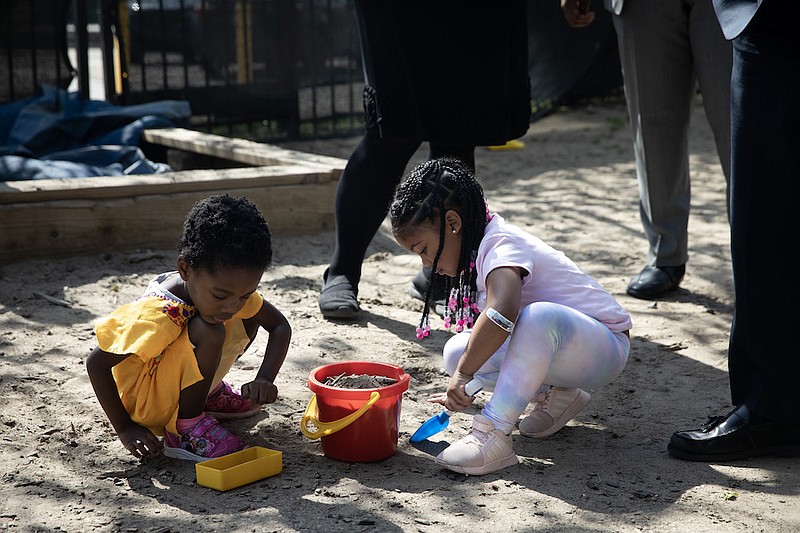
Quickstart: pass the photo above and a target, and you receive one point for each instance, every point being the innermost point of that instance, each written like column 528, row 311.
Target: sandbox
column 52, row 218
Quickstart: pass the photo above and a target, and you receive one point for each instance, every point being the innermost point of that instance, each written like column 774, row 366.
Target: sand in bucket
column 355, row 424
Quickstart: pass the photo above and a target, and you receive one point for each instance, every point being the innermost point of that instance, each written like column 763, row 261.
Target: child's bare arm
column 503, row 290
column 138, row 440
column 262, row 389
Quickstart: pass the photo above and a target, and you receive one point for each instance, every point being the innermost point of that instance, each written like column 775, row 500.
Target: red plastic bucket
column 355, row 425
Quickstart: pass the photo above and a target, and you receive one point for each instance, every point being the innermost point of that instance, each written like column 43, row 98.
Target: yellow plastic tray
column 239, row 468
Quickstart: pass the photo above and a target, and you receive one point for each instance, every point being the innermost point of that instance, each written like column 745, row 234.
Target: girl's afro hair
column 225, row 231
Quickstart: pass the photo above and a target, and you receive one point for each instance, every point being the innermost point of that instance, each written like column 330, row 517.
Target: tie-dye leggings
column 551, row 345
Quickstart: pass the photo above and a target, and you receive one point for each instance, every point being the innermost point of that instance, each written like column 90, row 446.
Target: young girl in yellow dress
column 159, row 365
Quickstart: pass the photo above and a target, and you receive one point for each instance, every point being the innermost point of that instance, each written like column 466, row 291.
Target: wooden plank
column 69, row 227
column 12, row 192
column 60, row 217
column 241, row 150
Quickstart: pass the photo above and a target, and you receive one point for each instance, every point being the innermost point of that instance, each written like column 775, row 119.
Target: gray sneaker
column 338, row 297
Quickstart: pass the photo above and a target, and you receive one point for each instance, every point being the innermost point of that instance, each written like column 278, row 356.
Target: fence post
column 82, row 33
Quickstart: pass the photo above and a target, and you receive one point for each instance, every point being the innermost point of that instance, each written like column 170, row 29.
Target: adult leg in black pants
column 763, row 357
column 362, row 199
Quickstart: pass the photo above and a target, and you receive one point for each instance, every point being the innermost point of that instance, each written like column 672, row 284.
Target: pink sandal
column 227, row 402
column 205, row 440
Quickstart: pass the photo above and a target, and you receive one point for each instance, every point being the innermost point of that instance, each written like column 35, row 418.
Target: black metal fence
column 33, row 47
column 262, row 69
column 259, row 69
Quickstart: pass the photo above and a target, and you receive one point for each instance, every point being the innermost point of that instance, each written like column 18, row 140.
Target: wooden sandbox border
column 52, row 218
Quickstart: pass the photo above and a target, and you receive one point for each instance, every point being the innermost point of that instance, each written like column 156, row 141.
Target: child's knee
column 453, row 350
column 206, row 338
column 543, row 320
column 540, row 313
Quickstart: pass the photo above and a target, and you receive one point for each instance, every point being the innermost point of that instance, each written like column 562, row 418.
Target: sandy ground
column 608, row 470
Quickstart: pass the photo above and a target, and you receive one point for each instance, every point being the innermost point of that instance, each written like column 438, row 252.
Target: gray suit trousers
column 667, row 48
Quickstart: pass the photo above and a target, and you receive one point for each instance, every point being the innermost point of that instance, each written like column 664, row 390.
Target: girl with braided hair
column 159, row 365
column 531, row 326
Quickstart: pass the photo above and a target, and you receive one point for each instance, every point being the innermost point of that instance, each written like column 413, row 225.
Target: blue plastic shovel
column 437, row 423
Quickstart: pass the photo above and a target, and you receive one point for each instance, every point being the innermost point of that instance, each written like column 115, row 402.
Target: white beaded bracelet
column 499, row 320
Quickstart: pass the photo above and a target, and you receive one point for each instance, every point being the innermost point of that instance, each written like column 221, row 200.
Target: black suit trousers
column 764, row 354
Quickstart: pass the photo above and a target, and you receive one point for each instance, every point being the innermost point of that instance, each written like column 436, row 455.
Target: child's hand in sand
column 141, row 442
column 439, row 397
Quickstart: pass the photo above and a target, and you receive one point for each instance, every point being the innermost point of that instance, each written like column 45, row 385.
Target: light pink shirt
column 552, row 276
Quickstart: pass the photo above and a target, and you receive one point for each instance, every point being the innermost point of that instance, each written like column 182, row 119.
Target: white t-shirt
column 552, row 276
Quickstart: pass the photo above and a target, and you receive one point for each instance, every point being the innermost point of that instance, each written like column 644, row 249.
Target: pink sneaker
column 483, row 451
column 552, row 410
column 227, row 402
column 206, row 440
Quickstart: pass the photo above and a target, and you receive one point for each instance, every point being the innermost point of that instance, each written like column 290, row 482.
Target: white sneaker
column 552, row 410
column 483, row 451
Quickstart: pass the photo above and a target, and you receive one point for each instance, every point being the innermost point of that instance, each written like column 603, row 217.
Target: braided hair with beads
column 424, row 196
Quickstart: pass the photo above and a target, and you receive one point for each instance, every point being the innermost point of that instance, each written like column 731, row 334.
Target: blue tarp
column 60, row 135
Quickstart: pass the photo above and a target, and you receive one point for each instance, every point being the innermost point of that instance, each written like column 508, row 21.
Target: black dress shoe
column 338, row 297
column 734, row 437
column 653, row 282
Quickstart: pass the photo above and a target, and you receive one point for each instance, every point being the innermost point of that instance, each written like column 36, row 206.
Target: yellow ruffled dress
column 152, row 330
